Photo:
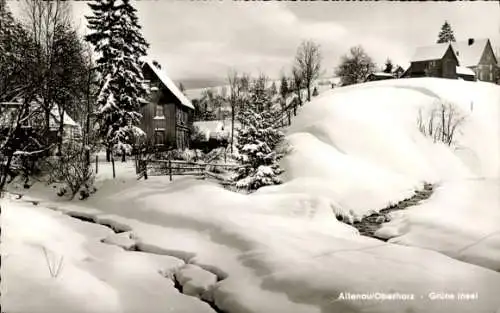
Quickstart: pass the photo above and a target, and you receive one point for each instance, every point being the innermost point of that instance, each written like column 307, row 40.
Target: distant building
column 379, row 76
column 167, row 118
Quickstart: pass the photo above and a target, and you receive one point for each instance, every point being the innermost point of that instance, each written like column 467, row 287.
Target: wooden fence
column 145, row 168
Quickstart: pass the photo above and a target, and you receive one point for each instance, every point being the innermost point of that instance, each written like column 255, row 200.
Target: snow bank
column 364, row 140
column 462, row 220
column 285, row 252
column 93, row 276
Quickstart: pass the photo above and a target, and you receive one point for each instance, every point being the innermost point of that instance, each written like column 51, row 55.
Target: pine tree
column 284, row 89
column 446, row 34
column 315, row 92
column 273, row 90
column 388, row 66
column 116, row 36
column 257, row 141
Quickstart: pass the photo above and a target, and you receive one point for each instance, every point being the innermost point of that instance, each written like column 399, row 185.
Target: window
column 159, row 137
column 159, row 110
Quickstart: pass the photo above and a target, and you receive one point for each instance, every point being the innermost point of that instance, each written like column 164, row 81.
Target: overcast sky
column 202, row 40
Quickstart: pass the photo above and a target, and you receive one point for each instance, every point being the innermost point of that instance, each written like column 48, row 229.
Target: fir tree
column 284, row 89
column 315, row 92
column 257, row 141
column 388, row 66
column 446, row 34
column 116, row 36
column 273, row 90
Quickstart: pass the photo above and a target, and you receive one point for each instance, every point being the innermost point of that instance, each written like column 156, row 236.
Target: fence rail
column 145, row 168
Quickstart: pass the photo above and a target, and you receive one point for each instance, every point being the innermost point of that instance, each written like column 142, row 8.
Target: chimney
column 471, row 41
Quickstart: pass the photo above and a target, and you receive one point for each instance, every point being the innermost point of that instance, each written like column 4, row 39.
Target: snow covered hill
column 281, row 249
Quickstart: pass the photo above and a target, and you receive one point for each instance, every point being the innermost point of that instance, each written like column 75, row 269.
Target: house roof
column 462, row 70
column 469, row 55
column 433, row 52
column 53, row 118
column 381, row 74
column 168, row 83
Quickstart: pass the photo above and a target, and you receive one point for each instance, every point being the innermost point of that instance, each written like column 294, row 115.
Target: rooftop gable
column 429, row 53
column 169, row 84
column 469, row 54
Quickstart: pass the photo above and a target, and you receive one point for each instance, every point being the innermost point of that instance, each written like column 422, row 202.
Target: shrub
column 73, row 172
column 441, row 123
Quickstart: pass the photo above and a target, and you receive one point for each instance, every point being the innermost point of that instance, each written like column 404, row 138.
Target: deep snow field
column 353, row 150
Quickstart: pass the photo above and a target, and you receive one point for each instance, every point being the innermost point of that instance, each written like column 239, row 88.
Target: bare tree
column 441, row 123
column 308, row 63
column 20, row 140
column 355, row 67
column 233, row 80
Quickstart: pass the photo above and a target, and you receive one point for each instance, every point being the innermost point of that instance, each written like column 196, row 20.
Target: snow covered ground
column 353, row 150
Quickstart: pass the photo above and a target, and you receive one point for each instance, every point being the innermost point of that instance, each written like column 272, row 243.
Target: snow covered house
column 438, row 60
column 478, row 56
column 379, row 76
column 71, row 129
column 468, row 60
column 167, row 118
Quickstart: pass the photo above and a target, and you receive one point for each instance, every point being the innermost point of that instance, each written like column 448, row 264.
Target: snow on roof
column 433, row 52
column 53, row 119
column 210, row 126
column 67, row 120
column 170, row 84
column 462, row 70
column 382, row 74
column 469, row 55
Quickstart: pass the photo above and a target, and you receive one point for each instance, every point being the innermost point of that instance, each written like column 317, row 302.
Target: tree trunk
column 5, row 172
column 309, row 93
column 232, row 128
column 123, row 156
column 108, row 154
column 60, row 132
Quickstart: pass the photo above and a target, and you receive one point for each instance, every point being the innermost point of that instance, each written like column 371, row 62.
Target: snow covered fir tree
column 446, row 34
column 116, row 36
column 258, row 140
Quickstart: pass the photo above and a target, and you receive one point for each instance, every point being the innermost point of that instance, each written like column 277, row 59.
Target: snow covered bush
column 441, row 123
column 184, row 155
column 257, row 141
column 73, row 172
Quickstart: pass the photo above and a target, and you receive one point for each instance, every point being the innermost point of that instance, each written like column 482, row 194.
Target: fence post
column 170, row 169
column 113, row 165
column 96, row 164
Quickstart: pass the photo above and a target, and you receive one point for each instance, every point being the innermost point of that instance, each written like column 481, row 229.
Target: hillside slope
column 361, row 148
